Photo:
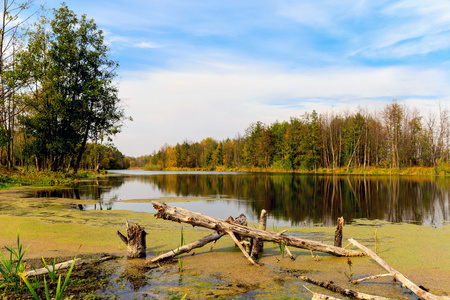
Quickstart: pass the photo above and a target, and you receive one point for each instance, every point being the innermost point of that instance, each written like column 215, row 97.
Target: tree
column 11, row 24
column 75, row 99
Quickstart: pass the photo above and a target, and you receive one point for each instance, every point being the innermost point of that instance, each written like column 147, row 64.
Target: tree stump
column 338, row 234
column 136, row 245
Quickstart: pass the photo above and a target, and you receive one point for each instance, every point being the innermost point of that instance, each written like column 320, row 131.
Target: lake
column 290, row 199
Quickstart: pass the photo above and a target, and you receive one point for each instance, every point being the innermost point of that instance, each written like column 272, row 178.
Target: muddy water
column 56, row 226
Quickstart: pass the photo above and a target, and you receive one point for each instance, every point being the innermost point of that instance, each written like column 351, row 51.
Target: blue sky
column 196, row 69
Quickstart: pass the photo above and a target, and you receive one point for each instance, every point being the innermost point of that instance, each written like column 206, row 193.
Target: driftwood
column 176, row 214
column 371, row 278
column 317, row 296
column 399, row 276
column 258, row 245
column 337, row 289
column 338, row 233
column 60, row 266
column 197, row 244
column 136, row 245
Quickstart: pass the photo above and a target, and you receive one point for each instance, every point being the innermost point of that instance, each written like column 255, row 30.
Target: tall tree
column 77, row 98
column 12, row 21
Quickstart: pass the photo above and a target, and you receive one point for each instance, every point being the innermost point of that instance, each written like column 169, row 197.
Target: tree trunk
column 197, row 244
column 258, row 245
column 399, row 276
column 136, row 245
column 338, row 233
column 176, row 214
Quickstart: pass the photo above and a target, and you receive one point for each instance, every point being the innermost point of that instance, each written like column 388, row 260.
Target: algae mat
column 55, row 228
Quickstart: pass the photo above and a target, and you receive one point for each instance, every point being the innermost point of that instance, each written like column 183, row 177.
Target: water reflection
column 297, row 198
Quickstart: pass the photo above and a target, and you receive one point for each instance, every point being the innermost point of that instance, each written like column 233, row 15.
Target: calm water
column 290, row 199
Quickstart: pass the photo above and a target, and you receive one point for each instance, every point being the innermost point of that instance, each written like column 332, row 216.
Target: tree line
column 58, row 100
column 395, row 137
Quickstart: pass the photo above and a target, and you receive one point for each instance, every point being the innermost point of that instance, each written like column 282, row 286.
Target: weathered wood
column 338, row 233
column 317, row 296
column 238, row 243
column 177, row 214
column 136, row 244
column 258, row 245
column 59, row 266
column 371, row 278
column 242, row 219
column 337, row 289
column 399, row 276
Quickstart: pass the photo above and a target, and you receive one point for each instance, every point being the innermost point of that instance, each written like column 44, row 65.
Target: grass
column 11, row 267
column 440, row 169
column 14, row 275
column 21, row 177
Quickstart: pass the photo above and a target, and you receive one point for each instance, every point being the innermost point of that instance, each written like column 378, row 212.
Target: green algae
column 54, row 227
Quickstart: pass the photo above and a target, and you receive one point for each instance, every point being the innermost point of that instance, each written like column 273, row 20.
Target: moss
column 54, row 228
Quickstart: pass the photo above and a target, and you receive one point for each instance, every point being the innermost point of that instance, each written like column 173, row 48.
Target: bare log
column 177, row 214
column 399, row 276
column 242, row 219
column 317, row 296
column 136, row 245
column 59, row 266
column 258, row 245
column 338, row 233
column 370, row 278
column 238, row 243
column 337, row 289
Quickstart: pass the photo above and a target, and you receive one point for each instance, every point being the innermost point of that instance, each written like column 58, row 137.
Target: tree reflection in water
column 299, row 198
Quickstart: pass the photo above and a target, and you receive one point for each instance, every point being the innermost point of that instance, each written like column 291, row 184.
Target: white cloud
column 222, row 100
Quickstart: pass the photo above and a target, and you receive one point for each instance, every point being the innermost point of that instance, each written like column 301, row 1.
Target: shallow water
column 290, row 199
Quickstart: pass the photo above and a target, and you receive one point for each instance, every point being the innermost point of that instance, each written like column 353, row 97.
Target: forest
column 59, row 102
column 394, row 137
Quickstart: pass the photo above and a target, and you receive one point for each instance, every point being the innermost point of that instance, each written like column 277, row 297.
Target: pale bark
column 197, row 244
column 59, row 266
column 399, row 276
column 337, row 289
column 176, row 214
column 258, row 245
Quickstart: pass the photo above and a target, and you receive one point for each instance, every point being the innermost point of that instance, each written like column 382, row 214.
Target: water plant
column 59, row 288
column 350, row 275
column 375, row 231
column 12, row 266
column 52, row 271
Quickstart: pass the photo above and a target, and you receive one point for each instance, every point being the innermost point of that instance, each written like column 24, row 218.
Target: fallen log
column 136, row 245
column 59, row 266
column 337, row 289
column 317, row 296
column 197, row 244
column 399, row 276
column 177, row 214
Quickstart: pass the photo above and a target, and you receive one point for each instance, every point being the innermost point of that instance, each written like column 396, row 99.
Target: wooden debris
column 317, row 296
column 242, row 219
column 338, row 234
column 399, row 276
column 136, row 245
column 177, row 214
column 60, row 266
column 337, row 289
column 258, row 245
column 371, row 278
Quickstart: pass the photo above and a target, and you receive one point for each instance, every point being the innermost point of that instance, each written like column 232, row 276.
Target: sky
column 196, row 69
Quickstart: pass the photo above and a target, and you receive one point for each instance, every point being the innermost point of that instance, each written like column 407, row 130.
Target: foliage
column 70, row 95
column 11, row 267
column 396, row 141
column 59, row 288
column 23, row 177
